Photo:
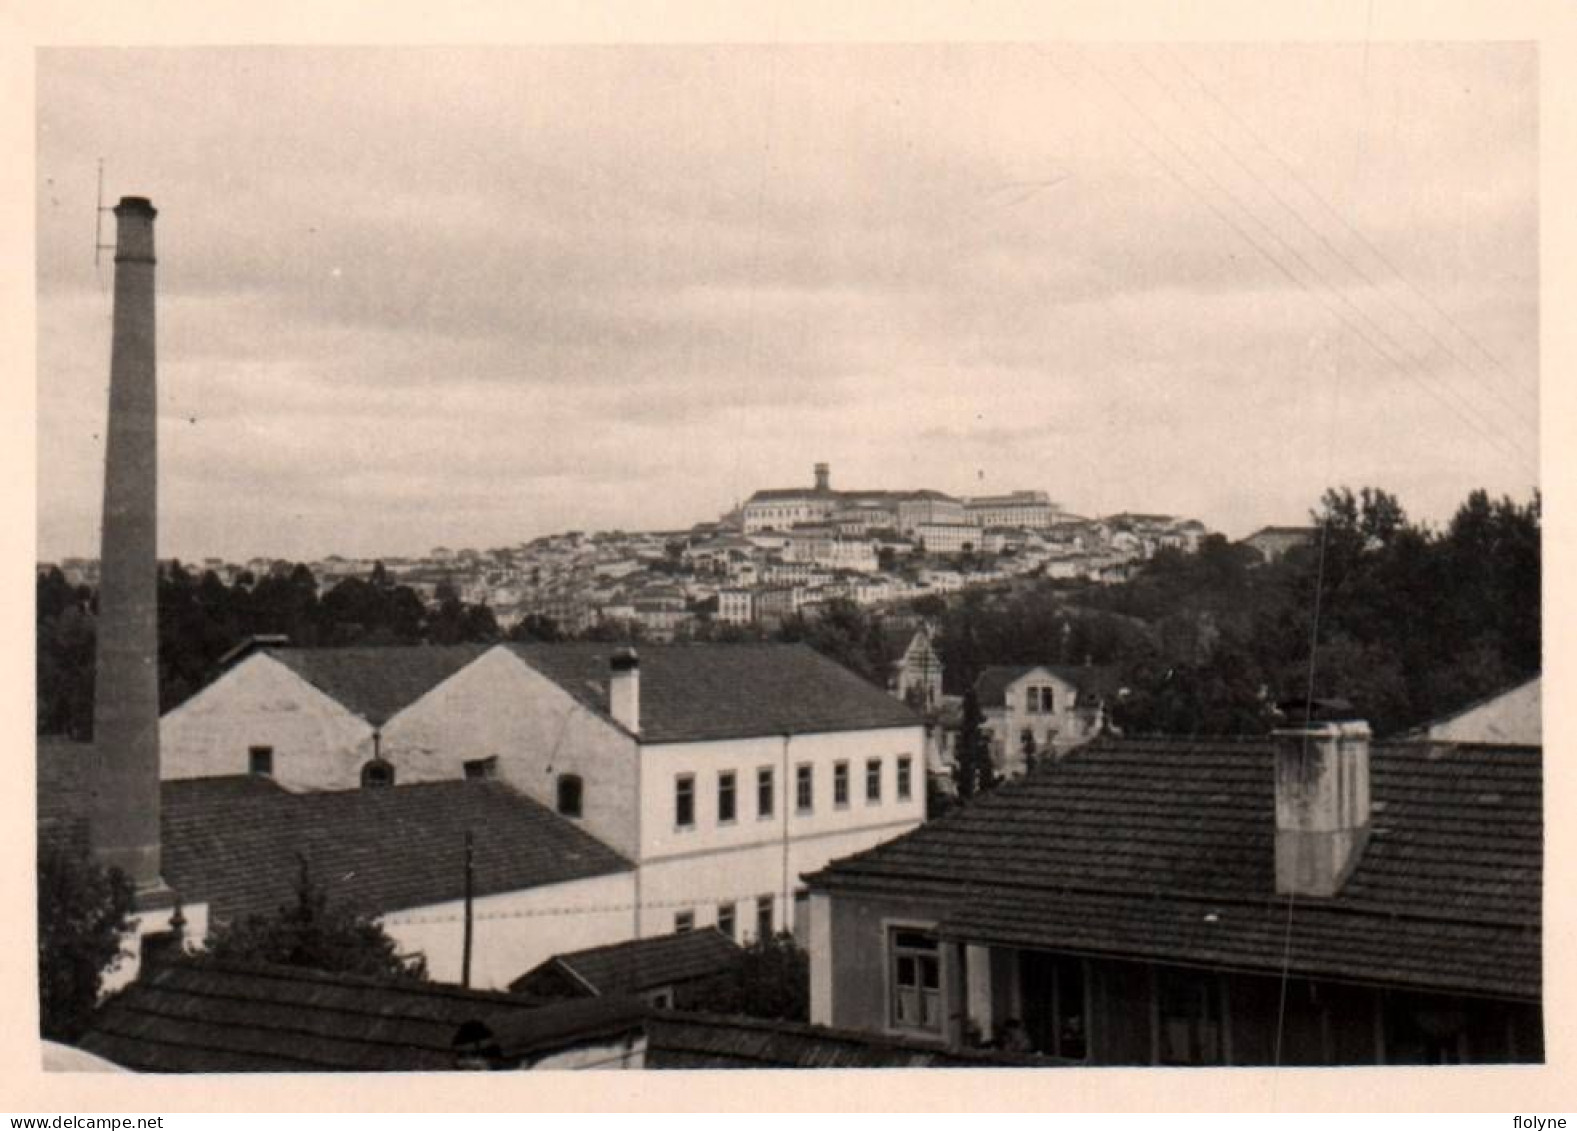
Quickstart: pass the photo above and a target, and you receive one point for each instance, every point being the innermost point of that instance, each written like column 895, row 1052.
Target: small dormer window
column 377, row 774
column 570, row 795
column 481, row 769
column 260, row 761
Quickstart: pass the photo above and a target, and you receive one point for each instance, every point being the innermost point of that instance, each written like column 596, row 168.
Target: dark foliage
column 771, row 980
column 317, row 934
column 201, row 618
column 83, row 912
column 973, row 772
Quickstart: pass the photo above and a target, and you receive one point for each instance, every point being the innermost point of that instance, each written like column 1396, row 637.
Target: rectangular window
column 873, row 780
column 725, row 919
column 764, row 916
column 684, row 921
column 840, row 784
column 1046, row 703
column 260, row 760
column 481, row 769
column 1188, row 1012
column 905, row 781
column 684, row 801
column 725, row 797
column 1032, row 700
column 804, row 788
column 766, row 793
column 916, row 981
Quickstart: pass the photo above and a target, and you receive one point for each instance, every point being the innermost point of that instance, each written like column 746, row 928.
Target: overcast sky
column 411, row 298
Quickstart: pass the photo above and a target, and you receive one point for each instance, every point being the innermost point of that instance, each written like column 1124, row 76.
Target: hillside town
column 783, row 552
column 845, row 777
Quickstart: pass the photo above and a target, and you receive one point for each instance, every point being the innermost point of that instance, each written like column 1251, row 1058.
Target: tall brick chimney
column 125, row 824
column 823, row 477
column 1322, row 805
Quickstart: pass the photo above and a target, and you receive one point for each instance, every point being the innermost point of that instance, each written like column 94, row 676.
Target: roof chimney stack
column 125, row 825
column 1322, row 804
column 624, row 689
column 823, row 477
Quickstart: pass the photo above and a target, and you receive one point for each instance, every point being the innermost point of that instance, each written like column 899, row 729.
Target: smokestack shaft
column 125, row 826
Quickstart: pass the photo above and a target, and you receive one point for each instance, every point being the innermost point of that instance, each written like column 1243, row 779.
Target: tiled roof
column 377, row 683
column 1130, row 847
column 378, row 850
column 232, row 842
column 219, row 1017
column 639, row 965
column 1093, row 680
column 702, row 692
column 700, row 1041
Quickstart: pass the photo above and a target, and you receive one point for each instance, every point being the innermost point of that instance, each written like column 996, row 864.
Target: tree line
column 201, row 618
column 1406, row 622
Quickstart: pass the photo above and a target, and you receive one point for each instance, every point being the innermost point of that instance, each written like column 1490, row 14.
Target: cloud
column 489, row 291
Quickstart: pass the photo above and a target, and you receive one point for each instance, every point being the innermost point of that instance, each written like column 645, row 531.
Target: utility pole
column 465, row 959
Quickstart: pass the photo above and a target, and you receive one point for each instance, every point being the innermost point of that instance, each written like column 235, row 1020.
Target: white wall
column 515, row 931
column 753, row 856
column 261, row 702
column 499, row 706
column 1515, row 717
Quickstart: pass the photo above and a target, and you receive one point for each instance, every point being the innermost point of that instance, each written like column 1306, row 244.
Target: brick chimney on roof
column 125, row 819
column 624, row 689
column 823, row 477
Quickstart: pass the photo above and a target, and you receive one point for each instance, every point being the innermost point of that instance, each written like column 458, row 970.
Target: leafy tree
column 771, row 980
column 84, row 911
column 315, row 933
column 538, row 628
column 972, row 769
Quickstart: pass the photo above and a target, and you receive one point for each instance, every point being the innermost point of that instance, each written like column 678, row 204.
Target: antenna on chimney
column 98, row 220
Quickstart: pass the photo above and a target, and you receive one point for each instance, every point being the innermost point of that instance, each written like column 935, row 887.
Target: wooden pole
column 465, row 959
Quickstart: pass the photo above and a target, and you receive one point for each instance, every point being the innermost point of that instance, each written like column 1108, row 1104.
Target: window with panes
column 915, row 981
column 765, row 792
column 684, row 801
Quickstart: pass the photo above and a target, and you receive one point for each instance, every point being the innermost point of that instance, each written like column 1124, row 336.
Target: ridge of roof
column 377, row 682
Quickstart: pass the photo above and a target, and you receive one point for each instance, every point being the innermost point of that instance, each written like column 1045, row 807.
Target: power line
column 1442, row 395
column 1352, row 229
column 1506, row 444
column 1339, row 255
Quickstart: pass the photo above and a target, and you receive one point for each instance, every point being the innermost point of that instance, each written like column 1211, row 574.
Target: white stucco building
column 723, row 771
column 1054, row 707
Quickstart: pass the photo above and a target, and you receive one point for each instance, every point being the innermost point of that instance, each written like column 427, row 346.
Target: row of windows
column 727, row 918
column 804, row 790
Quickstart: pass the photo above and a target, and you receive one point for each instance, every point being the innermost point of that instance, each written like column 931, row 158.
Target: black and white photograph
column 789, row 554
